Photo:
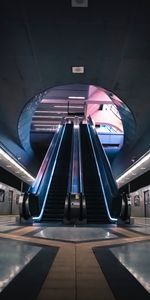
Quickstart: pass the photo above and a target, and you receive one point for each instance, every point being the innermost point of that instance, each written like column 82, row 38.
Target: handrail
column 80, row 164
column 75, row 183
column 67, row 208
column 70, row 168
column 51, row 168
column 32, row 203
column 107, row 204
column 83, row 213
column 43, row 167
column 77, row 178
column 109, row 184
column 104, row 162
column 33, row 198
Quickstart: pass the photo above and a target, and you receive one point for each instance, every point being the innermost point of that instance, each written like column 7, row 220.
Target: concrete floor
column 75, row 272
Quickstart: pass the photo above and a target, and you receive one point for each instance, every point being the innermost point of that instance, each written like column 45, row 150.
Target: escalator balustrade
column 54, row 207
column 95, row 204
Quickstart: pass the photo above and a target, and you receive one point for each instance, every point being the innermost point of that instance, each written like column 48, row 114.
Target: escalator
column 75, row 211
column 112, row 193
column 95, row 204
column 54, row 207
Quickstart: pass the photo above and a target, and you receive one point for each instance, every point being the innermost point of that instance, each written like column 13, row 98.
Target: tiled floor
column 136, row 258
column 14, row 256
column 75, row 273
column 75, row 234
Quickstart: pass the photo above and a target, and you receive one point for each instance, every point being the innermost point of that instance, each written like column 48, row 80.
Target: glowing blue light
column 45, row 198
column 112, row 219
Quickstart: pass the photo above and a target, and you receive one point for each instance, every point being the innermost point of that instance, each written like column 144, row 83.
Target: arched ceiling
column 42, row 40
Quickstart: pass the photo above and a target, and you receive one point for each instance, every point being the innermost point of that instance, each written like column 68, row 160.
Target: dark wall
column 40, row 143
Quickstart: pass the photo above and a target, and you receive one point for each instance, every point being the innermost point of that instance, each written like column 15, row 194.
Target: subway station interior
column 74, row 150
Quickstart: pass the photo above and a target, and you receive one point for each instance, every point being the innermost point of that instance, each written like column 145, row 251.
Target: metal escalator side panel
column 95, row 207
column 83, row 212
column 100, row 179
column 56, row 151
column 55, row 204
column 67, row 206
column 33, row 193
column 74, row 202
column 80, row 163
column 49, row 152
column 104, row 160
column 75, row 183
column 109, row 184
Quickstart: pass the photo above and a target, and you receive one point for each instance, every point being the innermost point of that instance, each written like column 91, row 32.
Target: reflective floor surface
column 14, row 256
column 143, row 229
column 8, row 227
column 75, row 274
column 136, row 258
column 75, row 234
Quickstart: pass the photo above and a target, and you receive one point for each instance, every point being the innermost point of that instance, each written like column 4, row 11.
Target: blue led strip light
column 45, row 198
column 108, row 212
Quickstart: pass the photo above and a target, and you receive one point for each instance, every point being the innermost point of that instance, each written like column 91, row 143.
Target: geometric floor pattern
column 75, row 234
column 75, row 273
column 14, row 256
column 136, row 259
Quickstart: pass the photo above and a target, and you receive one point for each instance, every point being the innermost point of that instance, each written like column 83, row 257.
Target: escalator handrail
column 70, row 168
column 51, row 166
column 75, row 183
column 105, row 162
column 75, row 163
column 67, row 207
column 100, row 179
column 83, row 212
column 39, row 178
column 80, row 164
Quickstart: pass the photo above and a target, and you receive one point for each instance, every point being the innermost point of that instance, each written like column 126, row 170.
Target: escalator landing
column 76, row 234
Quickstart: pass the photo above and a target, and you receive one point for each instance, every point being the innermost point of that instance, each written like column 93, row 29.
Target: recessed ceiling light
column 79, row 3
column 47, row 125
column 78, row 69
column 51, row 112
column 76, row 97
column 70, row 106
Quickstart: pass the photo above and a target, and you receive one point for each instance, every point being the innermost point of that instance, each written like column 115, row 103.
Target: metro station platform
column 51, row 261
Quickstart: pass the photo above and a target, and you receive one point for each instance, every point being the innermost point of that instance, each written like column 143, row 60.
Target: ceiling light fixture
column 45, row 125
column 76, row 97
column 46, row 117
column 43, row 111
column 70, row 106
column 42, row 122
column 137, row 164
column 52, row 111
column 79, row 3
column 78, row 69
column 12, row 162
